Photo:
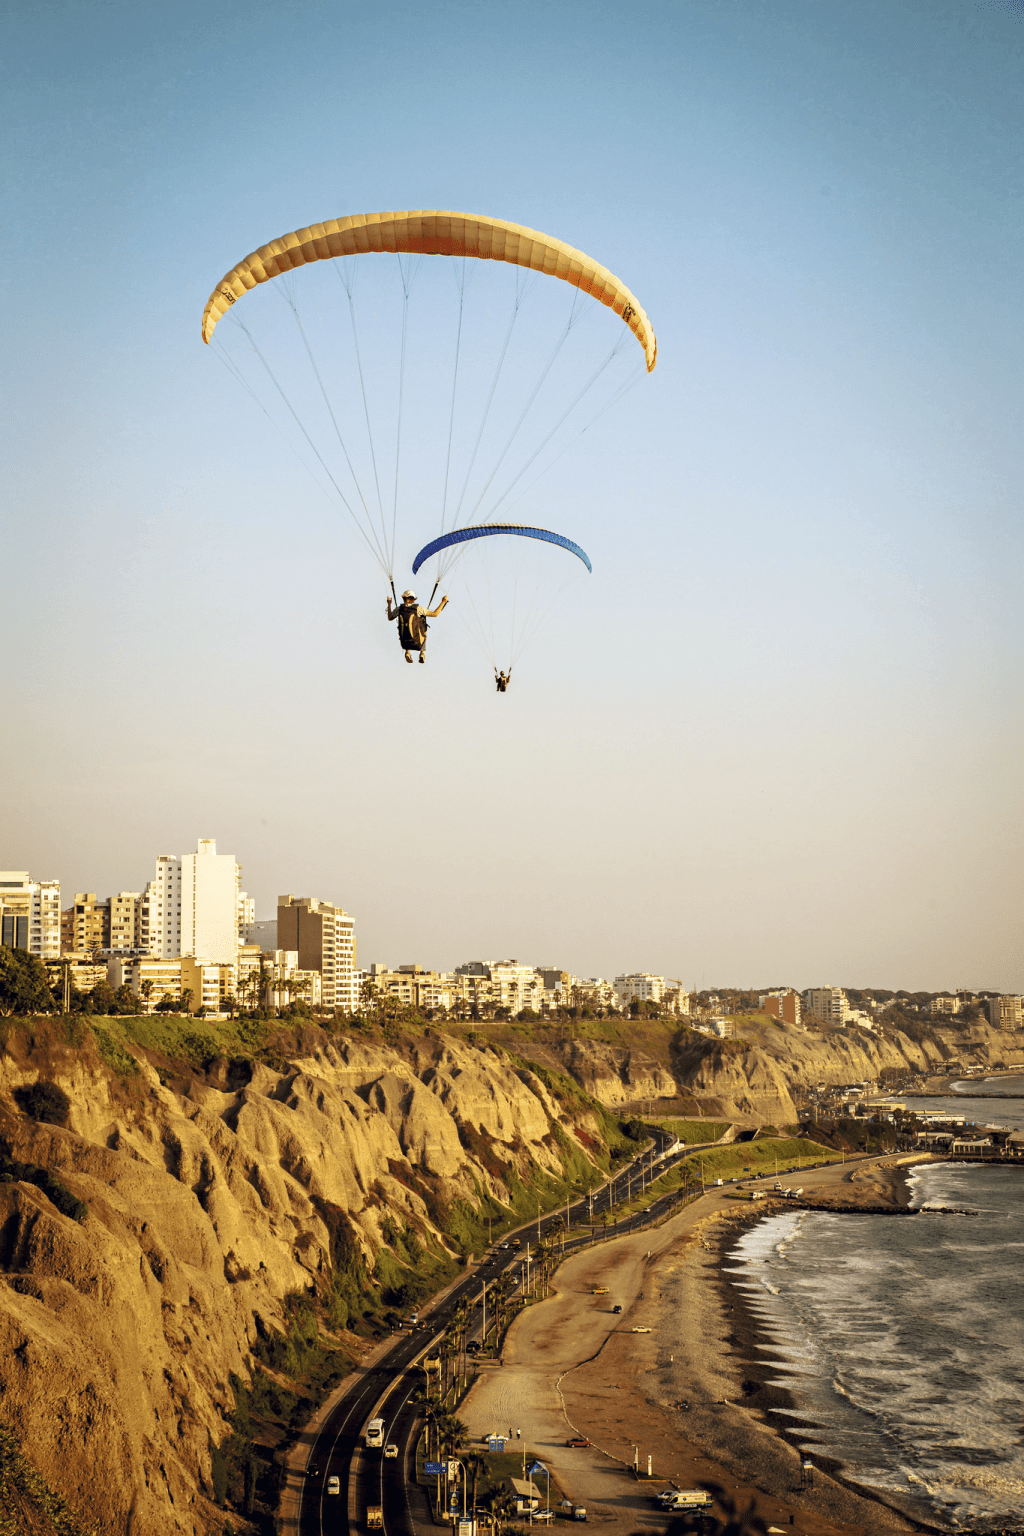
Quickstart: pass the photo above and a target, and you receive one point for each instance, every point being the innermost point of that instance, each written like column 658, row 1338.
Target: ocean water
column 902, row 1342
column 1006, row 1110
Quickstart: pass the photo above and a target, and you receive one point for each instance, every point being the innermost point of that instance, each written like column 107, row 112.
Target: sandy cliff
column 205, row 1209
column 763, row 1081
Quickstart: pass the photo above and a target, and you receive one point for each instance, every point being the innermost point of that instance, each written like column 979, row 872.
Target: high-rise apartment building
column 323, row 936
column 85, row 925
column 160, row 910
column 124, row 921
column 829, row 1005
column 246, row 916
column 641, row 985
column 30, row 913
column 1004, row 1012
column 210, row 899
column 194, row 905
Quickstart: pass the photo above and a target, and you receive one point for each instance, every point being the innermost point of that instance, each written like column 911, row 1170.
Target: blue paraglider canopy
column 483, row 530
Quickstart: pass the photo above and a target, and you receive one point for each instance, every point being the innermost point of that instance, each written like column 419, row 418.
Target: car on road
column 578, row 1442
column 391, row 1452
column 334, row 1485
column 617, row 1307
column 641, row 1330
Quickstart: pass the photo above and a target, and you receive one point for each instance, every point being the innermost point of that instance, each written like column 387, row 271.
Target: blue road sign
column 435, row 1466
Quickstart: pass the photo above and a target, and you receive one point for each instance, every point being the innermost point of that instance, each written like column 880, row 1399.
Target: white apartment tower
column 193, row 906
column 210, row 891
column 641, row 985
column 160, row 912
column 30, row 913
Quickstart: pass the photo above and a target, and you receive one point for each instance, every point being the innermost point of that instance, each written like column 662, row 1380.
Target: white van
column 375, row 1434
column 687, row 1498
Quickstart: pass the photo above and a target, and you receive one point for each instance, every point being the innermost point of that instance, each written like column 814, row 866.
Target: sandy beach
column 573, row 1367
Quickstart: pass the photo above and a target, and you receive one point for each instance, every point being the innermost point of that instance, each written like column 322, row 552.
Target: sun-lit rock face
column 615, row 1074
column 118, row 1336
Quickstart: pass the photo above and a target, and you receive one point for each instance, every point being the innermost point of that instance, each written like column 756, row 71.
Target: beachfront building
column 194, row 906
column 410, row 984
column 85, row 925
column 783, row 1005
column 210, row 898
column 1004, row 1012
column 595, row 992
column 323, row 937
column 639, row 985
column 160, row 910
column 945, row 1004
column 516, row 986
column 207, row 984
column 829, row 1005
column 556, row 985
column 124, row 921
column 151, row 977
column 30, row 913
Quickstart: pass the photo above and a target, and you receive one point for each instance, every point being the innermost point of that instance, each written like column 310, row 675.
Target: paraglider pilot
column 412, row 623
column 502, row 679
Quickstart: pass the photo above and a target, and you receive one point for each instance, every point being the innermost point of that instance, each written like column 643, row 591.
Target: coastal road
column 389, row 1386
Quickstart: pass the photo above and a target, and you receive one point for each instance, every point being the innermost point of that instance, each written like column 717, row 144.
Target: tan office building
column 1004, row 1012
column 323, row 937
column 829, row 1005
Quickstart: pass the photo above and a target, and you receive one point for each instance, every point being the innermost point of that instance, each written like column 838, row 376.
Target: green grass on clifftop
column 691, row 1132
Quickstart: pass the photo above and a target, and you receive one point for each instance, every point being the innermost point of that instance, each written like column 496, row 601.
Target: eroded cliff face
column 205, row 1209
column 762, row 1083
column 614, row 1074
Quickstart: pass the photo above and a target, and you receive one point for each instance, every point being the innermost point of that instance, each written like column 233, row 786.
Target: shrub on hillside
column 44, row 1101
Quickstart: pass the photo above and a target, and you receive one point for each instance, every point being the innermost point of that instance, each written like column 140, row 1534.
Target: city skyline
column 215, row 882
column 777, row 732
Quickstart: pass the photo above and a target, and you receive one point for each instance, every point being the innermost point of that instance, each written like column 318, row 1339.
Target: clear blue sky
column 777, row 735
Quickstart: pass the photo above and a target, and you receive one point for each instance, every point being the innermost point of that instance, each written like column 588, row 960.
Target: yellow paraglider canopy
column 432, row 233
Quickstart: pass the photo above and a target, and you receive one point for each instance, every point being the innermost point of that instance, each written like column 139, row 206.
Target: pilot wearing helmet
column 412, row 623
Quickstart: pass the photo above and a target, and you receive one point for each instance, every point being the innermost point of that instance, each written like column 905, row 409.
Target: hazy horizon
column 777, row 733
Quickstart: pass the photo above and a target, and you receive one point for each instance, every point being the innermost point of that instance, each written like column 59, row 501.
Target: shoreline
column 571, row 1366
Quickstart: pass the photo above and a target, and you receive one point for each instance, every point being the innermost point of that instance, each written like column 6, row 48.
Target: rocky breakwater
column 204, row 1204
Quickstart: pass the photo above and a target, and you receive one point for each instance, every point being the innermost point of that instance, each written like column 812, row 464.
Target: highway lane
column 334, row 1451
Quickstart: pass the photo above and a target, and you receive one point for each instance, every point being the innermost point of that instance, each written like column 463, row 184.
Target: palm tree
column 475, row 1464
column 146, row 992
column 454, row 1434
column 300, row 985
